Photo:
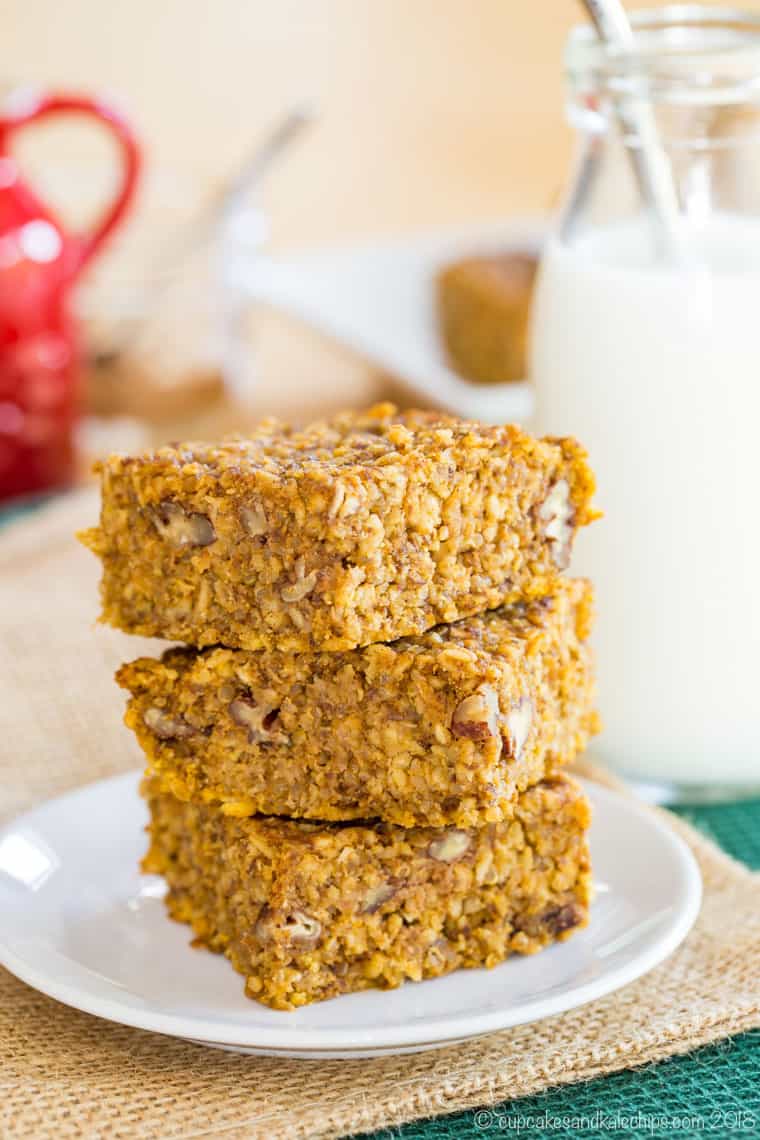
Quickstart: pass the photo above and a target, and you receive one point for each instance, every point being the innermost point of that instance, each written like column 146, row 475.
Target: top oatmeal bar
column 366, row 528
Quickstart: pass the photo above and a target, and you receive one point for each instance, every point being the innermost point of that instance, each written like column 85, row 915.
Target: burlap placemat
column 65, row 1074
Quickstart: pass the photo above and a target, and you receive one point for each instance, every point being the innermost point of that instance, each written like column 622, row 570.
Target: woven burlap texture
column 65, row 1074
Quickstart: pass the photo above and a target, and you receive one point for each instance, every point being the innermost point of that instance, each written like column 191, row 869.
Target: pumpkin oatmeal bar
column 368, row 528
column 443, row 728
column 307, row 911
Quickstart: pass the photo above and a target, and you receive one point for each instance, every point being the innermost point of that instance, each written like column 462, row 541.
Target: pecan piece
column 259, row 719
column 557, row 513
column 167, row 727
column 180, row 527
column 299, row 928
column 376, row 896
column 449, row 847
column 253, row 520
column 561, row 918
column 263, row 928
column 303, row 928
column 303, row 585
column 475, row 717
column 518, row 724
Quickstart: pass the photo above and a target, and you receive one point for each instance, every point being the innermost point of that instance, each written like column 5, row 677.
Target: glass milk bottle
column 653, row 361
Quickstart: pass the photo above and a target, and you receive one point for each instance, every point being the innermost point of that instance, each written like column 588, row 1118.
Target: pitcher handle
column 28, row 109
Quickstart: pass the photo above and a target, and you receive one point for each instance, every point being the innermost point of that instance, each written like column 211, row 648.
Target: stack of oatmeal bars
column 355, row 762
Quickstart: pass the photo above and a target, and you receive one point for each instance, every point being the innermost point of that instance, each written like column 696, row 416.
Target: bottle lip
column 684, row 54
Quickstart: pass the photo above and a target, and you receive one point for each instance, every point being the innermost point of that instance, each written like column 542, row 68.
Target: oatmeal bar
column 483, row 312
column 307, row 911
column 443, row 728
column 371, row 527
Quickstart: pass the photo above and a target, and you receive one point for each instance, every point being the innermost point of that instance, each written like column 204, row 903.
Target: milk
column 657, row 371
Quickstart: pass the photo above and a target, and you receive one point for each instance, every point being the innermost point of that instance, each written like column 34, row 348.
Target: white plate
column 78, row 922
column 378, row 300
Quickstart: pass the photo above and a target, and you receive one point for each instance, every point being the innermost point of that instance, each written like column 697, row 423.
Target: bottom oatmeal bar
column 307, row 911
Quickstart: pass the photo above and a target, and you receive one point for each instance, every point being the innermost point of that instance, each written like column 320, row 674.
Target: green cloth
column 714, row 1091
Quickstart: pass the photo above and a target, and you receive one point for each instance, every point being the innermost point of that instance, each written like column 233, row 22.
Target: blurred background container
column 431, row 113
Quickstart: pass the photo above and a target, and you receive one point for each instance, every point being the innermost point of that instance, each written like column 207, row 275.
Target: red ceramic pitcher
column 39, row 263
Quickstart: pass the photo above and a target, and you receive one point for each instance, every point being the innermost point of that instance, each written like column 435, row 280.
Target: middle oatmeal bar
column 444, row 728
column 370, row 527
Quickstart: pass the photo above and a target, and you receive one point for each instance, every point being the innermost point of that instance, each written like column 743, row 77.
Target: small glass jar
column 652, row 360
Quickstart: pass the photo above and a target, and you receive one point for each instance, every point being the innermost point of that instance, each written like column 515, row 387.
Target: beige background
column 432, row 111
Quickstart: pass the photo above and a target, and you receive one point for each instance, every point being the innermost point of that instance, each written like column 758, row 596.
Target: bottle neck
column 690, row 64
column 693, row 79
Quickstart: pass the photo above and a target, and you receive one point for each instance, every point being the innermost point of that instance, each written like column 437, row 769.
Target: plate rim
column 286, row 1039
